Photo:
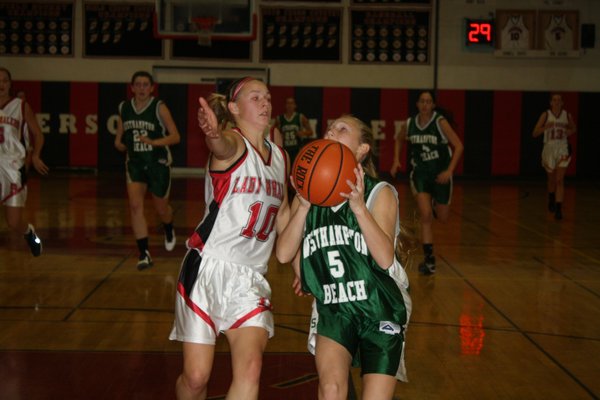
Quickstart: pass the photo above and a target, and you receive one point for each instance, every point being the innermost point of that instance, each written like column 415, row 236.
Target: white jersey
column 558, row 131
column 13, row 191
column 558, row 35
column 241, row 208
column 12, row 133
column 515, row 35
column 556, row 153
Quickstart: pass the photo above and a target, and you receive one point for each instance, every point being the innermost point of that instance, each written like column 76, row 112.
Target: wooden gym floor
column 512, row 313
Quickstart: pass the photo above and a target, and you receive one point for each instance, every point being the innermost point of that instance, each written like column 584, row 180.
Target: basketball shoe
column 34, row 242
column 551, row 202
column 145, row 261
column 558, row 212
column 170, row 239
column 427, row 267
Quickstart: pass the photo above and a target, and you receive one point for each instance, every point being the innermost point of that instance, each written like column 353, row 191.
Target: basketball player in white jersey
column 515, row 35
column 558, row 34
column 556, row 124
column 222, row 288
column 16, row 121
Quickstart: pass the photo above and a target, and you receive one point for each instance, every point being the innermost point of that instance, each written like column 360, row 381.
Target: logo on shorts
column 389, row 327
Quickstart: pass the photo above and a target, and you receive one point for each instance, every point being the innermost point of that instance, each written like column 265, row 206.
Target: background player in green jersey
column 294, row 128
column 433, row 164
column 145, row 130
column 345, row 258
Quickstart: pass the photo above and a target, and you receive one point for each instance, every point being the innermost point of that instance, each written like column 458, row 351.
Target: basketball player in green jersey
column 345, row 258
column 145, row 130
column 294, row 128
column 433, row 163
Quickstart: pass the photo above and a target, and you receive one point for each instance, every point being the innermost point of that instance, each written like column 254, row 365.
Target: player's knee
column 331, row 391
column 195, row 381
column 426, row 217
column 250, row 371
column 136, row 207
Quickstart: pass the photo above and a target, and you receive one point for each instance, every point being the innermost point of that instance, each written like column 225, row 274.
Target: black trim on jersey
column 205, row 227
column 232, row 167
column 189, row 270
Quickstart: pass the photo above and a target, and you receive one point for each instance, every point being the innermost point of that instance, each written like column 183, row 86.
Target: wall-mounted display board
column 390, row 36
column 558, row 30
column 120, row 30
column 537, row 33
column 515, row 29
column 42, row 29
column 301, row 34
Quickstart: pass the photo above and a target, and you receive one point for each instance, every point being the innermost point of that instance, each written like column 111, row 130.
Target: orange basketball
column 320, row 172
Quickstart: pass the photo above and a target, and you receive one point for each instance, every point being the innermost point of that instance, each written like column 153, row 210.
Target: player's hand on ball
column 302, row 200
column 207, row 120
column 356, row 197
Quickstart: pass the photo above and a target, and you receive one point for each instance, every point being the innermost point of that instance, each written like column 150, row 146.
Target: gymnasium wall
column 457, row 66
column 79, row 121
column 495, row 100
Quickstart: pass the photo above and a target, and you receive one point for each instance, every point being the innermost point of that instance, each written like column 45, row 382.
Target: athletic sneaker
column 558, row 214
column 170, row 240
column 551, row 202
column 427, row 267
column 145, row 261
column 34, row 242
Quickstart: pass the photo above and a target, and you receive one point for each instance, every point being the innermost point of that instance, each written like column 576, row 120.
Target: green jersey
column 289, row 130
column 429, row 150
column 339, row 271
column 144, row 122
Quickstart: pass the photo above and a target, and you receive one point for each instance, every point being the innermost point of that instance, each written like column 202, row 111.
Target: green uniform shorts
column 375, row 345
column 424, row 182
column 156, row 175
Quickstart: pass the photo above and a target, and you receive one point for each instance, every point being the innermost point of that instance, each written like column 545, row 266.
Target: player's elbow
column 283, row 253
column 282, row 256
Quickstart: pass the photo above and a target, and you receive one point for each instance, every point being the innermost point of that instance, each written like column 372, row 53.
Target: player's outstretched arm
column 224, row 145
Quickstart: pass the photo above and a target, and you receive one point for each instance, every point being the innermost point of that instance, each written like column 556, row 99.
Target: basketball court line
column 566, row 277
column 529, row 229
column 98, row 285
column 518, row 329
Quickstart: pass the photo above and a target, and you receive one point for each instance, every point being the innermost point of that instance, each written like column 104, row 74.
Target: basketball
column 320, row 172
